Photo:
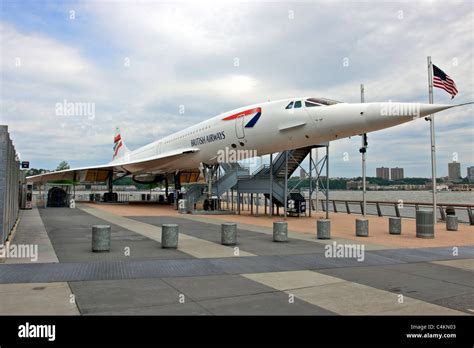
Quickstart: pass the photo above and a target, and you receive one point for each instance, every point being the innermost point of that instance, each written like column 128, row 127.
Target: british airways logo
column 257, row 112
column 208, row 138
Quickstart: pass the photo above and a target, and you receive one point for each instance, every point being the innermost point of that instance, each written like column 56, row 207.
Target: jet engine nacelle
column 148, row 178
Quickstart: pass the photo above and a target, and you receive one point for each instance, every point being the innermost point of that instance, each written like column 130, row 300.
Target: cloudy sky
column 138, row 62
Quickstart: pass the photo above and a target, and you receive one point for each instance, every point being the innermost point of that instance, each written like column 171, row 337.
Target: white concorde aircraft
column 265, row 128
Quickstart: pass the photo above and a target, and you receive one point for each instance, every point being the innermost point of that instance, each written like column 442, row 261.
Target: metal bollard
column 424, row 224
column 395, row 225
column 169, row 236
column 100, row 238
column 451, row 223
column 362, row 227
column 280, row 231
column 323, row 229
column 229, row 233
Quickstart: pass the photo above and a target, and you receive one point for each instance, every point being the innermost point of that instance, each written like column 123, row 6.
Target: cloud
column 140, row 62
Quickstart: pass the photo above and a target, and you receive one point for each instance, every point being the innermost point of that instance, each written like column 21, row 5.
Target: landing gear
column 110, row 196
column 177, row 188
column 209, row 171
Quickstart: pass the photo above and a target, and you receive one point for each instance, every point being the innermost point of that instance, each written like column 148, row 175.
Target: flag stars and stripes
column 443, row 81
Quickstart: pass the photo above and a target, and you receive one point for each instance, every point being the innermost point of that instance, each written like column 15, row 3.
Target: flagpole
column 362, row 151
column 433, row 147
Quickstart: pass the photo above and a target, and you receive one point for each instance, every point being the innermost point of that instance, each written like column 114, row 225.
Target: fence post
column 379, row 211
column 397, row 211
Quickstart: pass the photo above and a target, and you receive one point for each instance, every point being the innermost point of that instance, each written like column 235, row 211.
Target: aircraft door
column 239, row 127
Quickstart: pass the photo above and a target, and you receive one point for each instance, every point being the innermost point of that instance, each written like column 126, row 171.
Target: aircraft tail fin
column 120, row 149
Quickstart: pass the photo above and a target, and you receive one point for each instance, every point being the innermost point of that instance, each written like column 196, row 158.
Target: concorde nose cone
column 414, row 110
column 429, row 109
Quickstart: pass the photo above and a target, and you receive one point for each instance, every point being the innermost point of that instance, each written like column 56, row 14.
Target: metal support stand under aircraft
column 110, row 195
column 270, row 180
column 177, row 188
column 313, row 174
column 209, row 172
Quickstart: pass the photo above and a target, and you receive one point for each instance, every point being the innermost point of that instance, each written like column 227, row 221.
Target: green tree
column 63, row 166
column 34, row 171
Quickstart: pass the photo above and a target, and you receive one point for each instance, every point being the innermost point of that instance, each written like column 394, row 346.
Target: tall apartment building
column 383, row 173
column 396, row 173
column 454, row 171
column 470, row 174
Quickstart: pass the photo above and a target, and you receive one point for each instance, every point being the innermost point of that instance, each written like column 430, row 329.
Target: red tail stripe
column 117, row 138
column 243, row 113
column 116, row 150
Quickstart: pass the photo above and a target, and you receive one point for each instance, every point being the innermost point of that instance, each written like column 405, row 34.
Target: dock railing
column 464, row 212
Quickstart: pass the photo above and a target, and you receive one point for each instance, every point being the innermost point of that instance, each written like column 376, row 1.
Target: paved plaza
column 399, row 275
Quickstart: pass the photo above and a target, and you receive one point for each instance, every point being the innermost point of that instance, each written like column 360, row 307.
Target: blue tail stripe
column 254, row 120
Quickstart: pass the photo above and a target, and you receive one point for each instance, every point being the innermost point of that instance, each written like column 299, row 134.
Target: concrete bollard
column 362, row 227
column 183, row 206
column 451, row 223
column 229, row 233
column 323, row 229
column 169, row 236
column 394, row 225
column 280, row 231
column 100, row 238
column 424, row 224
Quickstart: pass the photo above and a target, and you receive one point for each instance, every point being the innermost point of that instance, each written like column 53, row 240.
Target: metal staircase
column 195, row 193
column 232, row 173
column 259, row 182
column 239, row 178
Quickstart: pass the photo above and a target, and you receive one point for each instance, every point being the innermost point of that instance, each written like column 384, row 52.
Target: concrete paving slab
column 117, row 295
column 31, row 231
column 415, row 286
column 292, row 279
column 436, row 271
column 213, row 287
column 463, row 303
column 355, row 299
column 191, row 308
column 465, row 264
column 421, row 308
column 262, row 304
column 264, row 245
column 36, row 299
column 200, row 249
column 417, row 255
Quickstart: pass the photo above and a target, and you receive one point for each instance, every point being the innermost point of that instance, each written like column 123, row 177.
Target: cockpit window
column 297, row 104
column 289, row 106
column 322, row 101
column 310, row 104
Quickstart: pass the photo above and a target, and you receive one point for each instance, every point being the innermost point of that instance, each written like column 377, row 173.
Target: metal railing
column 398, row 209
column 123, row 197
column 10, row 177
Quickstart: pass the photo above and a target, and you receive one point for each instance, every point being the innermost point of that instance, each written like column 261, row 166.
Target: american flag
column 441, row 80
